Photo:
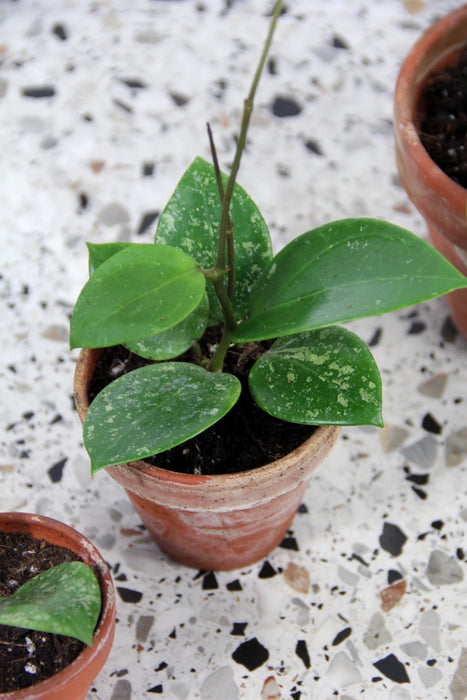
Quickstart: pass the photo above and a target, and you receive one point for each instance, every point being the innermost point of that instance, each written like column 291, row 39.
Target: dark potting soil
column 442, row 110
column 27, row 656
column 245, row 438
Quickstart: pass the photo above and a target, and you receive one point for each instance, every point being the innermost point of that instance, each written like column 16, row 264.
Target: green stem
column 226, row 230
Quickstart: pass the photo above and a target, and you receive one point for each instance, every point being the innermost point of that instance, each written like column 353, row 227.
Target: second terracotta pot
column 219, row 522
column 72, row 682
column 440, row 200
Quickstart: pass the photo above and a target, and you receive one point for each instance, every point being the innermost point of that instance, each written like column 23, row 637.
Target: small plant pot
column 440, row 200
column 72, row 682
column 215, row 522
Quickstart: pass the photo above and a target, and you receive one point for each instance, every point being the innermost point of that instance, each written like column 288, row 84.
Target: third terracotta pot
column 440, row 200
column 219, row 522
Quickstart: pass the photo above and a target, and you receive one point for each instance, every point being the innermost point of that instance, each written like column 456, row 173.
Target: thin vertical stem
column 225, row 224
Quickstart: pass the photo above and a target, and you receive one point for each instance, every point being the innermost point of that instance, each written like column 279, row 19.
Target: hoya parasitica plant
column 212, row 263
column 64, row 599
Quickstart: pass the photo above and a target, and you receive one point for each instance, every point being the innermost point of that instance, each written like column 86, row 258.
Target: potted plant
column 429, row 182
column 227, row 328
column 74, row 598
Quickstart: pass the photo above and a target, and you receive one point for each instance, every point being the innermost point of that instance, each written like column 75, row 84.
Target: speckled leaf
column 174, row 341
column 342, row 271
column 190, row 222
column 139, row 291
column 154, row 408
column 100, row 252
column 63, row 600
column 321, row 377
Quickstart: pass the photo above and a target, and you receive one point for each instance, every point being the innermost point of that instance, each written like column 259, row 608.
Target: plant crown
column 158, row 299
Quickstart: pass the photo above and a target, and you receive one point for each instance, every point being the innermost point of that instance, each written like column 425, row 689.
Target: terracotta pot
column 218, row 522
column 440, row 200
column 73, row 681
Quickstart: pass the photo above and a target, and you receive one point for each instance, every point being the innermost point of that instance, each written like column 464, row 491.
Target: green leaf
column 139, row 291
column 65, row 599
column 321, row 377
column 190, row 222
column 154, row 408
column 342, row 271
column 174, row 341
column 100, row 252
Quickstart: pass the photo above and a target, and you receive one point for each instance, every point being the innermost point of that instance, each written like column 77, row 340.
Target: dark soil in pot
column 442, row 114
column 246, row 438
column 27, row 656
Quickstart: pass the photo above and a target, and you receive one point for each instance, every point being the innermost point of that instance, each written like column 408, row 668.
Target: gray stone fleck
column 429, row 676
column 342, row 670
column 3, row 87
column 142, row 559
column 463, row 514
column 220, row 684
column 143, row 626
column 422, row 453
column 122, row 690
column 443, row 569
column 347, row 576
column 148, row 37
column 33, row 124
column 456, row 447
column 429, row 629
column 106, row 541
column 376, row 635
column 55, row 332
column 180, row 691
column 392, row 437
column 416, row 650
column 434, row 387
column 399, row 694
column 48, row 142
column 458, row 685
column 113, row 214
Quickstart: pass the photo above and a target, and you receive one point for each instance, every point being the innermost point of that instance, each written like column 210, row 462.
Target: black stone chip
column 56, row 470
column 251, row 654
column 234, row 585
column 431, row 425
column 267, row 571
column 128, row 595
column 146, row 221
column 39, row 91
column 301, row 650
column 285, row 107
column 392, row 539
column 393, row 669
column 210, row 582
column 341, row 636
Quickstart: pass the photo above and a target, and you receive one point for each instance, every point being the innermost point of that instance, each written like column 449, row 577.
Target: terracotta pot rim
column 322, row 434
column 210, row 492
column 18, row 522
column 265, row 471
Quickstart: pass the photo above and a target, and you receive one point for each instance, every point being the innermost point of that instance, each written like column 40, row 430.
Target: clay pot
column 440, row 200
column 72, row 682
column 217, row 522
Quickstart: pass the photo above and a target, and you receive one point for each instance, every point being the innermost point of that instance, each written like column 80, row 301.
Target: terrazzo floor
column 103, row 105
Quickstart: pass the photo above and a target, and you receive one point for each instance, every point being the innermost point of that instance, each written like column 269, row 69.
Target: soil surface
column 442, row 110
column 26, row 656
column 246, row 438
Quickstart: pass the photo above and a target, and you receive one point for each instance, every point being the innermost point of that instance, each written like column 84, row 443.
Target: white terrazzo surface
column 130, row 86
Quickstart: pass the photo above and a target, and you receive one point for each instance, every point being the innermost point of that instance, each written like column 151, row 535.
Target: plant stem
column 225, row 224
